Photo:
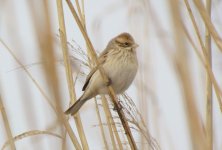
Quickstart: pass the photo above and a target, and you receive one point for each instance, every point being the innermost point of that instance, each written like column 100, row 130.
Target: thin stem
column 208, row 23
column 209, row 104
column 108, row 116
column 63, row 38
column 206, row 64
column 183, row 71
column 111, row 121
column 101, row 126
column 65, row 123
column 6, row 124
column 79, row 11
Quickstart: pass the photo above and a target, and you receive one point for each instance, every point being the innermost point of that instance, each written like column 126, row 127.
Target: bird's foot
column 108, row 82
column 119, row 106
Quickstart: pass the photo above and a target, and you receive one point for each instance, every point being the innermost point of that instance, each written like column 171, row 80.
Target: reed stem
column 209, row 103
column 7, row 125
column 72, row 94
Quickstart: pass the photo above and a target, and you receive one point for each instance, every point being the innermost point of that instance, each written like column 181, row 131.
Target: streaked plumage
column 119, row 61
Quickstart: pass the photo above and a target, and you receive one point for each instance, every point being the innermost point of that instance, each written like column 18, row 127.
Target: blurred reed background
column 48, row 47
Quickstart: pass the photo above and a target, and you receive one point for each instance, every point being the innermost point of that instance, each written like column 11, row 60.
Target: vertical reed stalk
column 182, row 66
column 48, row 55
column 7, row 126
column 101, row 126
column 206, row 64
column 209, row 104
column 65, row 123
column 69, row 77
column 80, row 12
column 206, row 18
column 111, row 121
column 44, row 37
column 63, row 147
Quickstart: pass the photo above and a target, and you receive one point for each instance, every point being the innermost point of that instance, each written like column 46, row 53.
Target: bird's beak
column 135, row 45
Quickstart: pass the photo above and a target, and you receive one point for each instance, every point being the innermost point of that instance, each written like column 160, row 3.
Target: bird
column 120, row 64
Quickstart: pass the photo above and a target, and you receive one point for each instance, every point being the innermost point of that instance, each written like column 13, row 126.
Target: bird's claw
column 119, row 106
column 108, row 82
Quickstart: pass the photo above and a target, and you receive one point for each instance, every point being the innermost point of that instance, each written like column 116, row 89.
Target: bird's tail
column 76, row 106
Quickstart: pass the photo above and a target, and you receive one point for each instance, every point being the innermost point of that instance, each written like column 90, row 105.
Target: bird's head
column 126, row 41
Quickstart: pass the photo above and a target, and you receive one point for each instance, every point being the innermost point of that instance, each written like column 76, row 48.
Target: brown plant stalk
column 39, row 32
column 45, row 42
column 205, row 59
column 7, row 125
column 101, row 126
column 66, row 124
column 111, row 121
column 208, row 23
column 108, row 116
column 209, row 96
column 63, row 38
column 181, row 65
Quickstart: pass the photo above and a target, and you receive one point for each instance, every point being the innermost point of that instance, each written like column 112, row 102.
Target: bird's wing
column 101, row 59
column 89, row 77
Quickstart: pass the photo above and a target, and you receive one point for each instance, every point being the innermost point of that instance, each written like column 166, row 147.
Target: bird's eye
column 126, row 44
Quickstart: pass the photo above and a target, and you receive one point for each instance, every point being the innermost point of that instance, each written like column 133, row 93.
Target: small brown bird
column 120, row 64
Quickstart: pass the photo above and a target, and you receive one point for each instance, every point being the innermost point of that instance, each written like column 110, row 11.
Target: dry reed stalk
column 50, row 68
column 44, row 37
column 143, row 105
column 165, row 46
column 199, row 55
column 63, row 147
column 159, row 30
column 113, row 125
column 208, row 23
column 80, row 13
column 28, row 134
column 209, row 96
column 69, row 77
column 67, row 126
column 83, row 13
column 181, row 63
column 108, row 116
column 7, row 125
column 29, row 74
column 111, row 91
column 111, row 121
column 205, row 61
column 101, row 125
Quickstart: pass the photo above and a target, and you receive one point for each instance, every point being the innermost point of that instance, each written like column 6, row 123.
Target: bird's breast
column 122, row 71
